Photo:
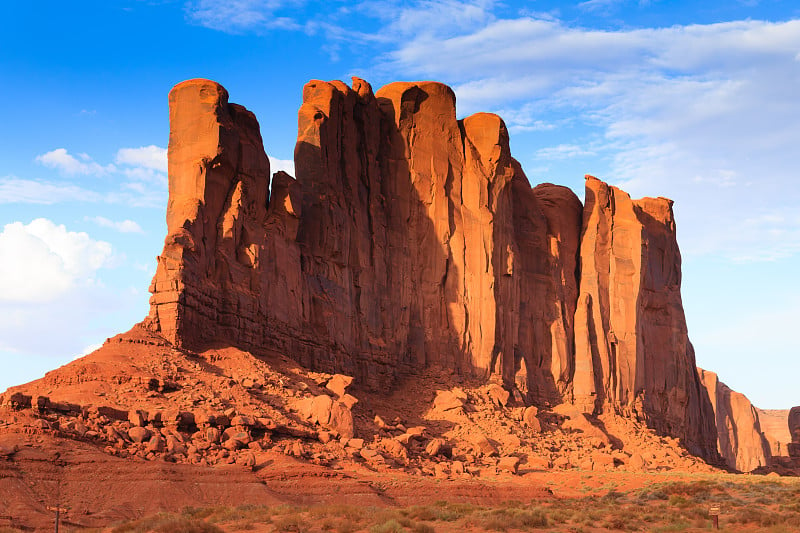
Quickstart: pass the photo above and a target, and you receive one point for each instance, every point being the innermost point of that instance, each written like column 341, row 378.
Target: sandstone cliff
column 410, row 238
column 633, row 353
column 740, row 440
column 775, row 426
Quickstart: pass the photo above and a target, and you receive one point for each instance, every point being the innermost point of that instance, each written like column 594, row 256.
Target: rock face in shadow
column 740, row 440
column 409, row 239
column 794, row 430
column 632, row 350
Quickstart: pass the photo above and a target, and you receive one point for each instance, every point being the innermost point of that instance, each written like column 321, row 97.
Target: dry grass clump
column 167, row 523
column 748, row 504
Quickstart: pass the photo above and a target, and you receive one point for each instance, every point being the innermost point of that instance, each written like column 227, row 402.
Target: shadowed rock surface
column 740, row 440
column 633, row 353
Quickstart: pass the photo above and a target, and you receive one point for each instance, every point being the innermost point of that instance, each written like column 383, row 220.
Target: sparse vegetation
column 676, row 504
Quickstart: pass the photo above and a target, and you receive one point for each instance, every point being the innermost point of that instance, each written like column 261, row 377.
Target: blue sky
column 695, row 101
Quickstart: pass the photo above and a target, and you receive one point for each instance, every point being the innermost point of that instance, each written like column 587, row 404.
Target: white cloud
column 563, row 151
column 145, row 189
column 42, row 260
column 598, row 5
column 65, row 162
column 704, row 114
column 123, row 226
column 150, row 157
column 145, row 180
column 16, row 190
column 287, row 165
column 241, row 15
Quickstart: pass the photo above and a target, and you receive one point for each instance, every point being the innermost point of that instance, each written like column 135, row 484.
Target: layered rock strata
column 410, row 238
column 740, row 440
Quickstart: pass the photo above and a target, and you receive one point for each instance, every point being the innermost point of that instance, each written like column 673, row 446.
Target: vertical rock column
column 207, row 283
column 633, row 354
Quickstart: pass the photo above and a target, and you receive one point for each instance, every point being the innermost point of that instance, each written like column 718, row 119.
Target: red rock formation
column 409, row 239
column 774, row 425
column 794, row 430
column 205, row 286
column 739, row 438
column 633, row 354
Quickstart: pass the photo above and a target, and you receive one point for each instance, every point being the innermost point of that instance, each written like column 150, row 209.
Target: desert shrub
column 347, row 526
column 504, row 519
column 450, row 512
column 654, row 495
column 421, row 512
column 350, row 512
column 167, row 523
column 390, row 526
column 677, row 526
column 290, row 522
column 560, row 516
column 619, row 523
column 423, row 528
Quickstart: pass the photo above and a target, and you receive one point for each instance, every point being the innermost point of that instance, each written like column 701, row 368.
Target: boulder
column 530, row 420
column 580, row 422
column 498, row 395
column 321, row 407
column 139, row 434
column 156, row 444
column 508, row 464
column 338, row 384
column 137, row 417
column 482, row 445
column 434, row 446
column 341, row 420
column 446, row 400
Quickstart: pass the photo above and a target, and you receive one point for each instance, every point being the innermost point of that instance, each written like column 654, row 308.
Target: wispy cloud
column 71, row 165
column 236, row 16
column 286, row 165
column 131, row 193
column 122, row 226
column 692, row 112
column 563, row 151
column 16, row 190
column 140, row 179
